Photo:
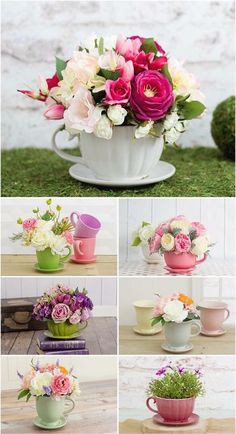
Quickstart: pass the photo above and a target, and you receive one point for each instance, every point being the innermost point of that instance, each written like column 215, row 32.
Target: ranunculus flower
column 117, row 91
column 167, row 242
column 174, row 311
column 151, row 95
column 29, row 224
column 61, row 385
column 54, row 112
column 182, row 243
column 199, row 246
column 199, row 228
column 60, row 313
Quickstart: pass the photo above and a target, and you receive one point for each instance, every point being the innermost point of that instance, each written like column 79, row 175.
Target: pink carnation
column 29, row 224
column 61, row 385
column 199, row 228
column 69, row 237
column 182, row 243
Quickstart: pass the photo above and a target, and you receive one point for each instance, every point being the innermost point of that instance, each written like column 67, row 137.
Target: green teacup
column 48, row 261
column 64, row 329
column 51, row 411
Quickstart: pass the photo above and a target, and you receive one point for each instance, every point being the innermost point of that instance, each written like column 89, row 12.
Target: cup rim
column 137, row 303
column 98, row 223
column 174, row 399
column 219, row 305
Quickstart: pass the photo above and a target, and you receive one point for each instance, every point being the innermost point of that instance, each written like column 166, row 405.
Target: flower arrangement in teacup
column 120, row 81
column 142, row 237
column 178, row 314
column 174, row 392
column 181, row 242
column 49, row 234
column 66, row 311
column 52, row 385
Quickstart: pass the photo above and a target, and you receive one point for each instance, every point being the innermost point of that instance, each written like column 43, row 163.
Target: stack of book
column 74, row 346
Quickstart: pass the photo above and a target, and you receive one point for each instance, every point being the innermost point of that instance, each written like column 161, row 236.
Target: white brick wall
column 34, row 31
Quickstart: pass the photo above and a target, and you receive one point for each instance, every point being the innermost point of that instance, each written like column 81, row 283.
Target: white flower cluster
column 43, row 237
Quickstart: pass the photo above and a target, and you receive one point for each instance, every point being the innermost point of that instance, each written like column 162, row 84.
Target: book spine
column 62, row 345
column 72, row 352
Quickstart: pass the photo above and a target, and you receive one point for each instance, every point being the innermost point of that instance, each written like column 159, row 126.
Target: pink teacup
column 213, row 314
column 86, row 225
column 182, row 260
column 172, row 410
column 84, row 248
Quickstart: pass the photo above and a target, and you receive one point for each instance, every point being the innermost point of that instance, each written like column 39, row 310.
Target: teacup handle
column 64, row 258
column 195, row 324
column 63, row 154
column 84, row 326
column 227, row 314
column 74, row 217
column 201, row 260
column 66, row 412
column 78, row 244
column 148, row 405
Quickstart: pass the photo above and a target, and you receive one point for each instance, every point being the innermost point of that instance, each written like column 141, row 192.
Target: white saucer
column 150, row 332
column 160, row 172
column 171, row 349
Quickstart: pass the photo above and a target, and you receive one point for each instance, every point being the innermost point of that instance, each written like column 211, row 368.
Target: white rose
column 171, row 136
column 184, row 225
column 103, row 128
column 167, row 242
column 143, row 130
column 174, row 311
column 146, row 232
column 171, row 120
column 41, row 239
column 116, row 114
column 40, row 380
column 199, row 246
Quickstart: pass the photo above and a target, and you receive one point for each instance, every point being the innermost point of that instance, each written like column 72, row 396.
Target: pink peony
column 199, row 228
column 75, row 318
column 54, row 112
column 117, row 91
column 60, row 313
column 29, row 224
column 182, row 243
column 162, row 228
column 61, row 385
column 151, row 95
column 69, row 237
column 155, row 243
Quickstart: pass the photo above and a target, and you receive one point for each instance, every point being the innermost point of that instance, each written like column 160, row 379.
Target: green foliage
column 136, row 241
column 101, row 46
column 156, row 320
column 176, row 386
column 192, row 109
column 176, row 232
column 166, row 73
column 23, row 393
column 99, row 96
column 60, row 66
column 109, row 75
column 145, row 224
column 223, row 127
column 149, row 46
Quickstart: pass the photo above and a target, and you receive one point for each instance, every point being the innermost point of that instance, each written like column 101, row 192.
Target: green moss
column 200, row 171
column 223, row 127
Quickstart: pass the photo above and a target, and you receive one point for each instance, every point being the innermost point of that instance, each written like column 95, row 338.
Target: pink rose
column 199, row 228
column 75, row 318
column 155, row 243
column 61, row 385
column 29, row 224
column 182, row 243
column 54, row 112
column 60, row 313
column 117, row 91
column 151, row 95
column 85, row 314
column 69, row 237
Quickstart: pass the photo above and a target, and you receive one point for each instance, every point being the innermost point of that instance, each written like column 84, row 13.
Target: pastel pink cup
column 213, row 314
column 182, row 260
column 86, row 225
column 84, row 248
column 172, row 410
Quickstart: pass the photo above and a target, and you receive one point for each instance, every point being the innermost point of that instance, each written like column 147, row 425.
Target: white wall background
column 217, row 214
column 104, row 209
column 219, row 374
column 199, row 32
column 102, row 291
column 96, row 368
column 141, row 288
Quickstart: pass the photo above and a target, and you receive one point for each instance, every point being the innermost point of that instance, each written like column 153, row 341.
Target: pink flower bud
column 54, row 112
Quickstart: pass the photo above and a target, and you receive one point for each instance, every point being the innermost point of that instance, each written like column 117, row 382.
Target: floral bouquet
column 66, row 310
column 176, row 308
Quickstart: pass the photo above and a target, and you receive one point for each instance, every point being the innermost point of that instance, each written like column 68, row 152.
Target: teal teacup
column 51, row 411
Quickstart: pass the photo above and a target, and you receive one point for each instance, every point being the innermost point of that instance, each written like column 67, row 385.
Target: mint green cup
column 65, row 329
column 51, row 411
column 48, row 261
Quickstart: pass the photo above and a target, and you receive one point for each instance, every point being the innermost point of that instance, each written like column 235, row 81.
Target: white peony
column 146, row 232
column 174, row 311
column 171, row 120
column 103, row 128
column 167, row 242
column 143, row 130
column 184, row 225
column 199, row 245
column 116, row 114
column 41, row 379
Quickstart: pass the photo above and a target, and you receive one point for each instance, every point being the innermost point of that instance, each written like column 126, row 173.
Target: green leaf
column 46, row 216
column 156, row 320
column 180, row 99
column 109, row 75
column 165, row 71
column 99, row 96
column 192, row 109
column 176, row 231
column 23, row 393
column 136, row 242
column 28, row 397
column 149, row 46
column 145, row 224
column 60, row 66
column 101, row 46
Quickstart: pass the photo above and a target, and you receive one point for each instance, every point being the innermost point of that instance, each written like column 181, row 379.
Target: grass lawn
column 200, row 171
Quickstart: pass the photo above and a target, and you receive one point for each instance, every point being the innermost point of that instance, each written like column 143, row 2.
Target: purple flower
column 47, row 390
column 181, row 370
column 161, row 371
column 67, row 299
column 198, row 372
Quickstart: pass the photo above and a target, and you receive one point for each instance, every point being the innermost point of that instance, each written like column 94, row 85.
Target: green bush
column 223, row 127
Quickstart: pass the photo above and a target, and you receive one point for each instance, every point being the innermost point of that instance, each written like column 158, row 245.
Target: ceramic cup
column 84, row 248
column 65, row 329
column 48, row 261
column 182, row 260
column 144, row 315
column 150, row 258
column 178, row 334
column 172, row 410
column 86, row 225
column 50, row 411
column 120, row 158
column 213, row 314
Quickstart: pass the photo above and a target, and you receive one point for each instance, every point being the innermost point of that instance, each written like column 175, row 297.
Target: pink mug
column 213, row 314
column 86, row 225
column 84, row 248
column 172, row 410
column 182, row 260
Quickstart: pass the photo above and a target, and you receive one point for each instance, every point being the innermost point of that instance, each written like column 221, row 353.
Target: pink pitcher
column 84, row 248
column 172, row 410
column 86, row 225
column 182, row 260
column 213, row 314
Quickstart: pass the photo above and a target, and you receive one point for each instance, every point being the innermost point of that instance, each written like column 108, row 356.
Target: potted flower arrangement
column 50, row 235
column 174, row 392
column 110, row 83
column 178, row 314
column 52, row 385
column 65, row 310
column 181, row 242
column 141, row 238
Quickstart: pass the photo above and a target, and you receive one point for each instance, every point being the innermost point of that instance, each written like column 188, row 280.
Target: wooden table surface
column 132, row 343
column 101, row 337
column 95, row 411
column 23, row 265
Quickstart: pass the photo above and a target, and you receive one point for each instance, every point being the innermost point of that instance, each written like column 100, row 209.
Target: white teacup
column 178, row 335
column 144, row 315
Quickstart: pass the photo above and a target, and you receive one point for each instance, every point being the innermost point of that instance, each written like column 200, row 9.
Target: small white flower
column 199, row 245
column 171, row 136
column 146, row 232
column 174, row 311
column 116, row 114
column 103, row 128
column 143, row 130
column 171, row 120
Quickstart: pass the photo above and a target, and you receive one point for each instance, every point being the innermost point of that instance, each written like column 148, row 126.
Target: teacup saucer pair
column 172, row 349
column 212, row 333
column 40, row 424
column 179, row 270
column 146, row 332
column 49, row 270
column 194, row 418
column 83, row 261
